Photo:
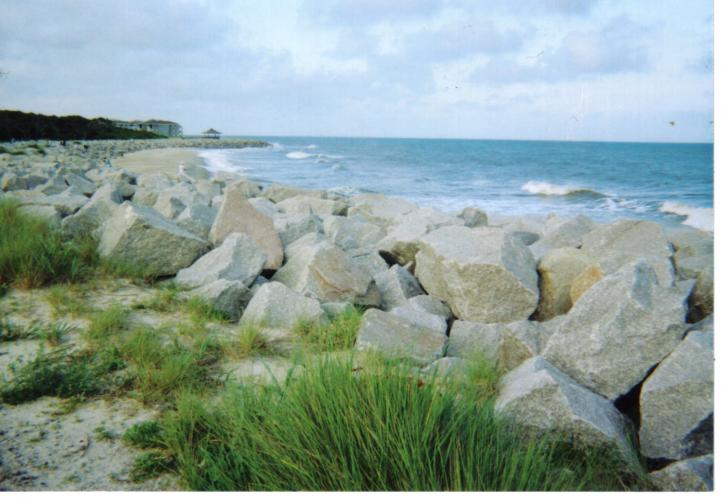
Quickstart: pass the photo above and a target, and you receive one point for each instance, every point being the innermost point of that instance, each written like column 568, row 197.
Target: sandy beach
column 163, row 161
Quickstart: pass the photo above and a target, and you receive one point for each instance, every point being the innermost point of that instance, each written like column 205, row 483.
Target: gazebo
column 211, row 134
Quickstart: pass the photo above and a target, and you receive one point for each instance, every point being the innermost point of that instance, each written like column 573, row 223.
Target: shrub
column 145, row 434
column 33, row 254
column 335, row 427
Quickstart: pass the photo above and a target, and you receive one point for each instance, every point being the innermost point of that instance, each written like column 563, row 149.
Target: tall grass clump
column 336, row 428
column 339, row 333
column 33, row 253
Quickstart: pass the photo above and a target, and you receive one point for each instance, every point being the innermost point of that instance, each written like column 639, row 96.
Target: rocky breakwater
column 604, row 331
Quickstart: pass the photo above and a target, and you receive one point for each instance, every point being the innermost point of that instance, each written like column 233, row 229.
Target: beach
column 223, row 280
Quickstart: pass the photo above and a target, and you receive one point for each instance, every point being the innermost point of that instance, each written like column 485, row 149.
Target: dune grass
column 34, row 254
column 335, row 427
column 339, row 333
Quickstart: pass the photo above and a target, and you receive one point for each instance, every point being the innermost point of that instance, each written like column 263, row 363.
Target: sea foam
column 217, row 160
column 698, row 217
column 548, row 189
column 298, row 155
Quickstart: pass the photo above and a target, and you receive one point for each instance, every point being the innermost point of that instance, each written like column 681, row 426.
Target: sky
column 605, row 70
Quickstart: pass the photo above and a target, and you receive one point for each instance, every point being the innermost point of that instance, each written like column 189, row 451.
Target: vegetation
column 147, row 434
column 52, row 333
column 19, row 126
column 335, row 427
column 338, row 334
column 33, row 254
column 248, row 342
column 61, row 373
column 106, row 324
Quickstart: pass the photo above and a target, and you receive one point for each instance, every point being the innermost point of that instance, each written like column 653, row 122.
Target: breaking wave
column 698, row 217
column 548, row 189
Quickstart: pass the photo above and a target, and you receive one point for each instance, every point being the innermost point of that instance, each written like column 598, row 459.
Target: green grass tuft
column 248, row 342
column 34, row 254
column 201, row 311
column 146, row 434
column 62, row 374
column 150, row 464
column 338, row 334
column 107, row 324
column 338, row 428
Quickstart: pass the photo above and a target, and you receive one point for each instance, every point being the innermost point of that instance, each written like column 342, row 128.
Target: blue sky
column 528, row 69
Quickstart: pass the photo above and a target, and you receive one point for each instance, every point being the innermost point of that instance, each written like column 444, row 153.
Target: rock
column 328, row 274
column 172, row 201
column 694, row 474
column 403, row 239
column 249, row 189
column 301, row 204
column 396, row 285
column 618, row 330
column 701, row 301
column 396, row 337
column 473, row 217
column 12, row 182
column 45, row 212
column 368, row 260
column 557, row 270
column 446, row 367
column 264, row 206
column 585, row 280
column 197, row 219
column 561, row 232
column 80, row 184
column 94, row 213
column 208, row 188
column 350, row 233
column 527, row 230
column 421, row 318
column 379, row 209
column 144, row 237
column 66, row 203
column 430, row 305
column 291, row 227
column 276, row 306
column 238, row 258
column 677, row 400
column 626, row 241
column 539, row 397
column 279, row 192
column 237, row 215
column 494, row 341
column 298, row 246
column 483, row 274
column 225, row 296
column 193, row 172
column 124, row 181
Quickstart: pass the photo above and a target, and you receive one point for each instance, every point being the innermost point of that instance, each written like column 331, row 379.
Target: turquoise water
column 666, row 182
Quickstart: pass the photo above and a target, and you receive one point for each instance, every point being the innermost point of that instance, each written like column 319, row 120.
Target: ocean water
column 670, row 183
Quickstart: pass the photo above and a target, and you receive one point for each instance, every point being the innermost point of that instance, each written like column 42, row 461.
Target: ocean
column 669, row 183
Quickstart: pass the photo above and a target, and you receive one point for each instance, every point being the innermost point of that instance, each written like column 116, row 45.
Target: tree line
column 19, row 126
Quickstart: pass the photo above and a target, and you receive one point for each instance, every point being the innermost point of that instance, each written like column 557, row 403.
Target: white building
column 160, row 127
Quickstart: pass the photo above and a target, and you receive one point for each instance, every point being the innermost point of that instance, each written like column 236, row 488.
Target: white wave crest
column 311, row 146
column 548, row 189
column 698, row 217
column 298, row 155
column 217, row 160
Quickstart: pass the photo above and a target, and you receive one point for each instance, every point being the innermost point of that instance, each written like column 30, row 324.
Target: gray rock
column 447, row 367
column 557, row 270
column 430, row 305
column 279, row 192
column 396, row 285
column 325, row 272
column 238, row 258
column 293, row 226
column 694, row 474
column 298, row 246
column 172, row 201
column 276, row 306
column 301, row 204
column 264, row 206
column 226, row 296
column 351, row 233
column 368, row 260
column 237, row 215
column 677, row 400
column 193, row 172
column 144, row 237
column 45, row 212
column 473, row 217
column 94, row 213
column 403, row 238
column 379, row 209
column 626, row 241
column 80, row 184
column 539, row 397
column 618, row 330
column 396, row 337
column 561, row 232
column 495, row 341
column 483, row 274
column 197, row 219
column 249, row 189
column 421, row 318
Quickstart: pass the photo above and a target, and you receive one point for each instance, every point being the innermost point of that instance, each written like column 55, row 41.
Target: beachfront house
column 211, row 134
column 160, row 127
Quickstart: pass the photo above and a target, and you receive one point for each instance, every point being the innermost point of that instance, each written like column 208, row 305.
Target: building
column 211, row 134
column 160, row 127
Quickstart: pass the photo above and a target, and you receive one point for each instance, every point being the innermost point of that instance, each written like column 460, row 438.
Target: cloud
column 618, row 47
column 367, row 12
